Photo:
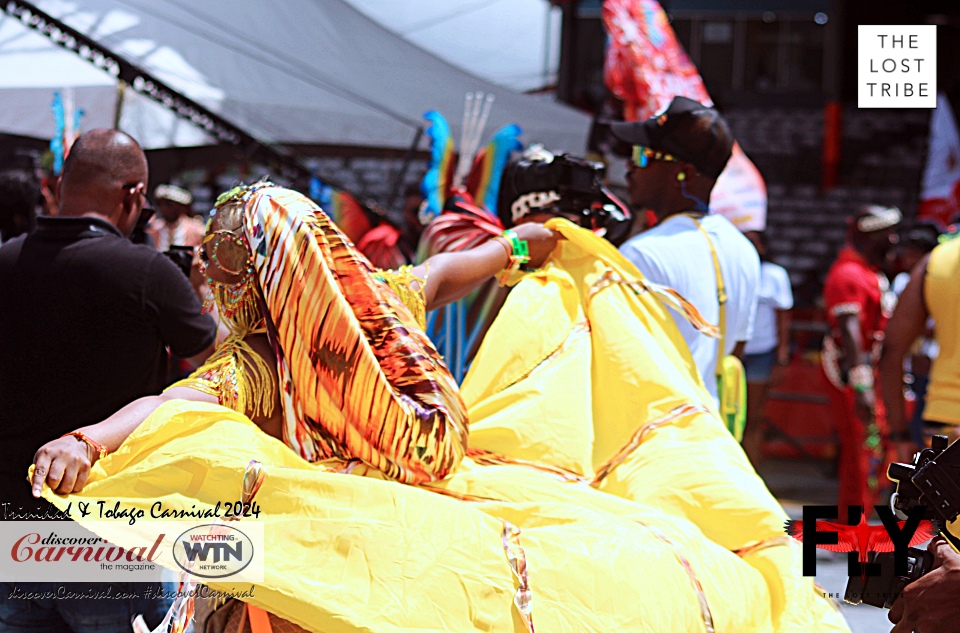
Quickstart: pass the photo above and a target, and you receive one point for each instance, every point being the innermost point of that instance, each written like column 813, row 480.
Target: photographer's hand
column 930, row 605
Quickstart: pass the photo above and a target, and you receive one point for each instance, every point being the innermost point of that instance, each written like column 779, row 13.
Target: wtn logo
column 859, row 538
column 213, row 551
column 221, row 551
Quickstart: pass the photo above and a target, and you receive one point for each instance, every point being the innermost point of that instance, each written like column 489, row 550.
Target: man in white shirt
column 676, row 159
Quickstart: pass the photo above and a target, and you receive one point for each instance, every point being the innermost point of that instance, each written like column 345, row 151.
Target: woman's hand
column 64, row 464
column 540, row 240
column 452, row 276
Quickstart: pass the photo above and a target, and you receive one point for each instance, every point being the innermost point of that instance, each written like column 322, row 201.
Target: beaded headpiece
column 230, row 251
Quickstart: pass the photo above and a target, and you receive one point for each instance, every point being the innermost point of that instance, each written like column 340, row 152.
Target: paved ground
column 796, row 483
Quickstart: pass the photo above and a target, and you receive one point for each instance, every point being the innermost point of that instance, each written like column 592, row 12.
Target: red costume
column 853, row 286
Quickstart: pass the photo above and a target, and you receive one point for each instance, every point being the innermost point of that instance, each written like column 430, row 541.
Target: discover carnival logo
column 114, row 551
column 53, row 548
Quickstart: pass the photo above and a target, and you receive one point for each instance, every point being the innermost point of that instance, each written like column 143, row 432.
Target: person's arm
column 452, row 276
column 855, row 356
column 784, row 305
column 65, row 462
column 741, row 330
column 171, row 300
column 738, row 349
column 784, row 317
column 907, row 323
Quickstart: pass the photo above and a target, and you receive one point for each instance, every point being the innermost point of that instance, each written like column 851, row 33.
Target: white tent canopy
column 298, row 71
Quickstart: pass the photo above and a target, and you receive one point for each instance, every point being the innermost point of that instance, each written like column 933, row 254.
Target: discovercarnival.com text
column 62, row 592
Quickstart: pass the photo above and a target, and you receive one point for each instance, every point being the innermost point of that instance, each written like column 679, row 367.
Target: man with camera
column 676, row 159
column 86, row 318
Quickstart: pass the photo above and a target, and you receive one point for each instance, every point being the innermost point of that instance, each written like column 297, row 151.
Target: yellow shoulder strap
column 721, row 295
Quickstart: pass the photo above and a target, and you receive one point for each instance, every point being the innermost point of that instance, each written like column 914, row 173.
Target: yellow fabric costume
column 600, row 491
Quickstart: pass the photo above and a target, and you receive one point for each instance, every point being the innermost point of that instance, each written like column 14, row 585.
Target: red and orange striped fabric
column 359, row 379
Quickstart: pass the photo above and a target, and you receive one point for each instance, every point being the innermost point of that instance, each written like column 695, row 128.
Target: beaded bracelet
column 96, row 446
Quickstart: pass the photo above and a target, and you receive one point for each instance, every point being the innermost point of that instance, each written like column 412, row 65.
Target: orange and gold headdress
column 358, row 377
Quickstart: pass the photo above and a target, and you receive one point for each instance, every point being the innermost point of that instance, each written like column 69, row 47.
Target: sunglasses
column 643, row 155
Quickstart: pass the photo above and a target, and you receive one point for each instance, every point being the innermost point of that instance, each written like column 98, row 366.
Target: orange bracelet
column 506, row 244
column 96, row 446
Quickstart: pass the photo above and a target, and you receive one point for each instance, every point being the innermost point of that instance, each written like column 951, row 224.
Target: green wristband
column 521, row 250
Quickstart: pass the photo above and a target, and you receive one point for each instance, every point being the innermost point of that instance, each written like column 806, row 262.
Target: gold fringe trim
column 753, row 548
column 669, row 296
column 705, row 612
column 517, row 558
column 237, row 305
column 640, row 435
column 238, row 376
column 488, row 458
column 409, row 289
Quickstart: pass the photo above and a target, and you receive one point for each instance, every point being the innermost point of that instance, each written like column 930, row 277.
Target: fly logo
column 859, row 538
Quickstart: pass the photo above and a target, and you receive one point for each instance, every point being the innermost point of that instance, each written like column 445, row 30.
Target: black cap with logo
column 688, row 130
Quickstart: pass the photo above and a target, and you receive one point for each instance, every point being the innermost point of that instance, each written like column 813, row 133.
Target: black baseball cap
column 688, row 130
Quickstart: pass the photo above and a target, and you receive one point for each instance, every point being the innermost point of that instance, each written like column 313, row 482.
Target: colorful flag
column 940, row 191
column 342, row 208
column 436, row 182
column 483, row 182
column 66, row 120
column 646, row 68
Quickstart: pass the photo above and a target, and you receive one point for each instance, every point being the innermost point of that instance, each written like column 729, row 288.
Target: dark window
column 762, row 59
column 682, row 29
column 716, row 55
column 803, row 48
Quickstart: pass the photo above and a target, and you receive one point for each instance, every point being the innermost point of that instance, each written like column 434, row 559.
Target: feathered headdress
column 460, row 212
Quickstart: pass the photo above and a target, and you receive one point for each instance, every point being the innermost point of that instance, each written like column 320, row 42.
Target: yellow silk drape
column 590, row 433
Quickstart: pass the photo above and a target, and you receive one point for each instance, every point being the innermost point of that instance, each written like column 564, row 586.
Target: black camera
column 567, row 186
column 931, row 481
column 182, row 256
column 881, row 591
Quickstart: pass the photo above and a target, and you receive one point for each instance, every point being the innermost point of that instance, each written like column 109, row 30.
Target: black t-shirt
column 85, row 319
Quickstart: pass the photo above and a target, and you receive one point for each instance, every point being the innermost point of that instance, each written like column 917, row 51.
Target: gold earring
column 681, row 176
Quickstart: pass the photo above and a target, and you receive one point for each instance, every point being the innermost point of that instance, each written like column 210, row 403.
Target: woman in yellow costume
column 599, row 491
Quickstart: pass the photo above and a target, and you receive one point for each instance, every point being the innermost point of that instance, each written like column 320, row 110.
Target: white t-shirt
column 775, row 294
column 675, row 253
